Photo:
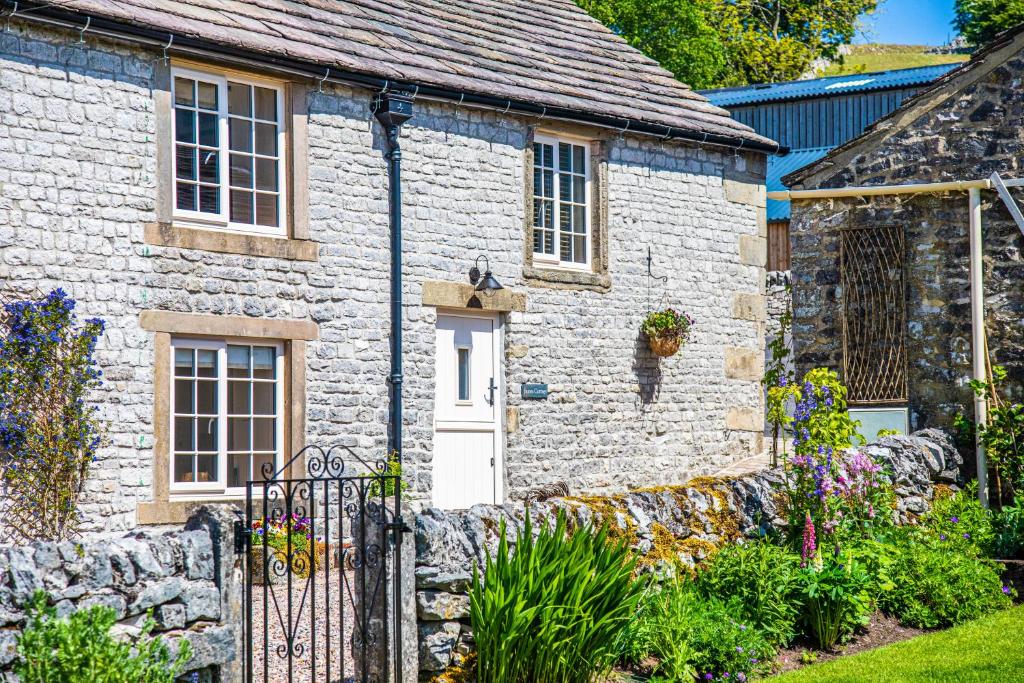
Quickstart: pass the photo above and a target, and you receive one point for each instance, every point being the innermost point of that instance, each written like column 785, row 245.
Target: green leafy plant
column 1008, row 525
column 935, row 586
column 550, row 610
column 778, row 376
column 835, row 598
column 959, row 523
column 81, row 649
column 667, row 324
column 1003, row 433
column 690, row 634
column 391, row 475
column 49, row 436
column 763, row 579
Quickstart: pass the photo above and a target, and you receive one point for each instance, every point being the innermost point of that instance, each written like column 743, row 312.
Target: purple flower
column 942, row 537
column 708, row 677
column 955, row 520
column 967, row 536
column 739, row 649
column 741, row 677
column 1006, row 590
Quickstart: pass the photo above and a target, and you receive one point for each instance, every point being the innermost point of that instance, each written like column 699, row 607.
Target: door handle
column 490, row 391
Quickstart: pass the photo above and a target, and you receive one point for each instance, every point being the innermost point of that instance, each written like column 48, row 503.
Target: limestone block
column 441, row 606
column 437, row 641
column 744, row 419
column 751, row 194
column 743, row 363
column 753, row 250
column 747, row 306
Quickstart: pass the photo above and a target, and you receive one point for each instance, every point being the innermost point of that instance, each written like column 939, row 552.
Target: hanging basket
column 665, row 346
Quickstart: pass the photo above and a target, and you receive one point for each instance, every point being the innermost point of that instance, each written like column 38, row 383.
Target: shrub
column 48, row 435
column 960, row 524
column 1008, row 526
column 1003, row 433
column 835, row 597
column 691, row 634
column 935, row 586
column 80, row 649
column 551, row 610
column 763, row 579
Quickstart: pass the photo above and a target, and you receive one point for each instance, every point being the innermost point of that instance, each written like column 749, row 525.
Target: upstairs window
column 229, row 142
column 561, row 203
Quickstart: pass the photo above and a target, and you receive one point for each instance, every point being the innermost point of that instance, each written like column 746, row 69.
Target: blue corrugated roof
column 781, row 166
column 820, row 87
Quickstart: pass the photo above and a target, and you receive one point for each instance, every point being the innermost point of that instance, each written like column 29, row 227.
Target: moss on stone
column 463, row 672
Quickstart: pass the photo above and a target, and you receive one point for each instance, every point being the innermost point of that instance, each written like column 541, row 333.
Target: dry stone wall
column 188, row 578
column 662, row 524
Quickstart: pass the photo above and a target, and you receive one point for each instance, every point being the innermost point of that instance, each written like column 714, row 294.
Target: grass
column 868, row 58
column 989, row 649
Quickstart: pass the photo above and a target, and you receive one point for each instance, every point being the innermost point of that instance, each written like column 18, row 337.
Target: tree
column 678, row 34
column 980, row 20
column 714, row 43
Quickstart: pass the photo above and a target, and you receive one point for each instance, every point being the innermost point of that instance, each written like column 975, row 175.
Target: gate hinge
column 241, row 538
column 400, row 525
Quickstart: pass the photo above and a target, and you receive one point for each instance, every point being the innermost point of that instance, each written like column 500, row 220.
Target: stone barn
column 881, row 244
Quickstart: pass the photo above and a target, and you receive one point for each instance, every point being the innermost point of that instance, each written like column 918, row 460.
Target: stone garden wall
column 664, row 523
column 189, row 578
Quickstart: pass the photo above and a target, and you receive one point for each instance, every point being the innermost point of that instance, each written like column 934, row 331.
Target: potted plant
column 666, row 331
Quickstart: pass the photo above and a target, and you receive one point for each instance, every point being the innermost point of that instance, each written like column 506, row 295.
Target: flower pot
column 665, row 346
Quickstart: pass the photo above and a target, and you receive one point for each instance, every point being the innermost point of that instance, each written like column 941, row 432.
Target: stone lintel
column 445, row 294
column 227, row 325
column 168, row 235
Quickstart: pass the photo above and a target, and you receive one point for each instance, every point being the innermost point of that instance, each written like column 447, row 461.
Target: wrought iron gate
column 321, row 585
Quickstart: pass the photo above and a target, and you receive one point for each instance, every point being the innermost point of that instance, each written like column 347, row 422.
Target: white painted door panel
column 467, row 401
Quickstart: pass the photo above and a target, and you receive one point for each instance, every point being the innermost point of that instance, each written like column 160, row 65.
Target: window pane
column 549, row 214
column 463, row 363
column 564, row 157
column 578, row 163
column 206, row 398
column 208, row 168
column 206, row 468
column 266, row 104
column 565, row 216
column 579, row 249
column 266, row 139
column 258, row 462
column 579, row 219
column 537, row 185
column 209, row 199
column 183, row 428
column 538, row 241
column 183, row 91
column 183, row 396
column 206, row 434
column 184, row 125
column 549, row 184
column 263, row 362
column 238, row 433
column 263, row 434
column 548, row 158
column 182, row 468
column 238, row 469
column 206, row 362
column 185, row 162
column 266, row 174
column 208, row 96
column 266, row 209
column 238, row 398
column 239, row 99
column 241, row 206
column 208, row 129
column 183, row 362
column 241, row 135
column 186, row 197
column 238, row 361
column 565, row 187
column 241, row 170
column 263, row 398
column 579, row 189
column 565, row 250
column 538, row 212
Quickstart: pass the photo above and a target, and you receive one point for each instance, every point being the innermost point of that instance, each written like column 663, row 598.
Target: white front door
column 467, row 410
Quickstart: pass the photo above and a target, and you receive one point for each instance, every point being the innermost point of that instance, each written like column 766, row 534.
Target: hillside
column 874, row 57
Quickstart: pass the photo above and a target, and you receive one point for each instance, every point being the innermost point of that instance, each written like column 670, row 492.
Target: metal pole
column 978, row 336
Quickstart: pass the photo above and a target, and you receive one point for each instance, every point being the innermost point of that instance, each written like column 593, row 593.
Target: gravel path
column 333, row 619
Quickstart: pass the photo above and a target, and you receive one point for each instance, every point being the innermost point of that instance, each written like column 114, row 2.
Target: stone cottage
column 209, row 177
column 881, row 281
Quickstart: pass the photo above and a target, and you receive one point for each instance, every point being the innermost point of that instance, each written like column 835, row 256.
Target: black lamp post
column 486, row 283
column 392, row 108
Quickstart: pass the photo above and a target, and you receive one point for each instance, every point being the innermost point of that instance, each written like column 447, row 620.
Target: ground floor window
column 226, row 418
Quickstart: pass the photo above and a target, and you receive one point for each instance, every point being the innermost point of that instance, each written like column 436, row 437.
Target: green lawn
column 868, row 58
column 990, row 649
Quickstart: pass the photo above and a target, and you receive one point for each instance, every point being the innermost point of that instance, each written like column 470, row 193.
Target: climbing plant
column 48, row 433
column 778, row 378
column 1003, row 434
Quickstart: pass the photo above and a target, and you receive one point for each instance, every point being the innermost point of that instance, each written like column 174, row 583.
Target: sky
column 909, row 22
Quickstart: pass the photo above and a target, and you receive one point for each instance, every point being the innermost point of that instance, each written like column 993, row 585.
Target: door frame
column 498, row 346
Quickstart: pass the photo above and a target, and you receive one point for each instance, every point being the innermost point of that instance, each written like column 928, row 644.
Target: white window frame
column 220, row 488
column 222, row 220
column 555, row 260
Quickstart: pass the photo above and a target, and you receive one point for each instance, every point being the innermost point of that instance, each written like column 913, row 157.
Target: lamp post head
column 486, row 283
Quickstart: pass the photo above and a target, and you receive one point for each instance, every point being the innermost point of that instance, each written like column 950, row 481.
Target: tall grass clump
column 550, row 610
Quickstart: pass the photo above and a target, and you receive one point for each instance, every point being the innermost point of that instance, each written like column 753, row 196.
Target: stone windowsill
column 170, row 235
column 177, row 511
column 562, row 278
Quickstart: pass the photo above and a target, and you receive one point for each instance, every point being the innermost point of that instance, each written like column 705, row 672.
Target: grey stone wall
column 662, row 524
column 967, row 136
column 78, row 183
column 188, row 578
